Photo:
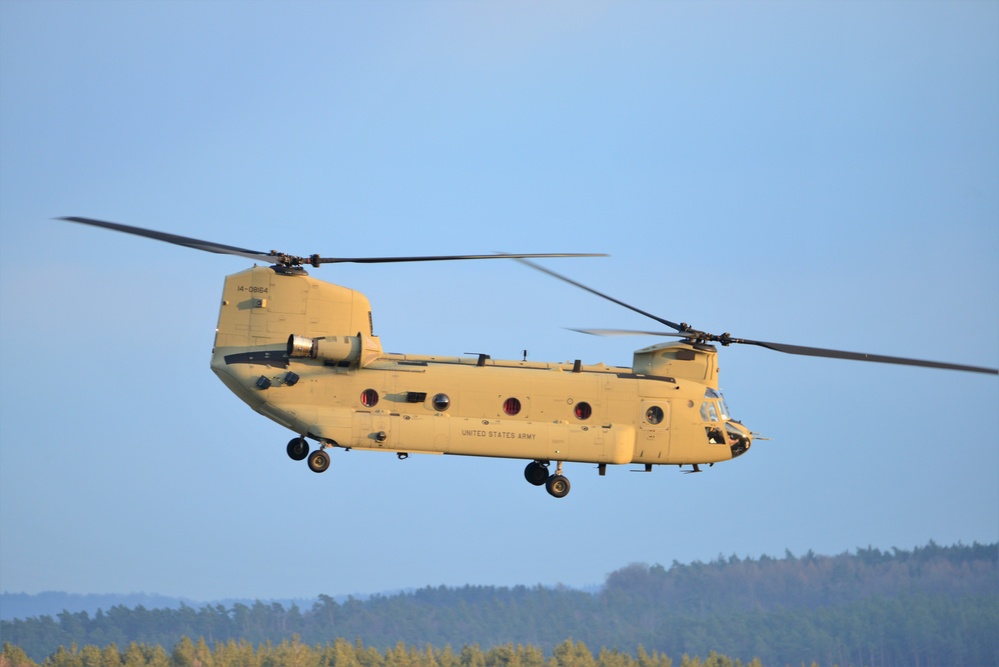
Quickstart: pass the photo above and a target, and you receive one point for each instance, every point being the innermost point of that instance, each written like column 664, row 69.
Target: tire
column 536, row 474
column 558, row 486
column 298, row 449
column 319, row 461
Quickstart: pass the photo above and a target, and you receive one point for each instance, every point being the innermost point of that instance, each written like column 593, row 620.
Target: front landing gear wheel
column 319, row 461
column 558, row 486
column 298, row 449
column 536, row 473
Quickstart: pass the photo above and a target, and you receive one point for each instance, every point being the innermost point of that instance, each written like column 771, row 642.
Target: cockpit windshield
column 715, row 409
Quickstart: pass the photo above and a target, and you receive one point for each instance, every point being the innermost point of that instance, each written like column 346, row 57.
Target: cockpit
column 719, row 426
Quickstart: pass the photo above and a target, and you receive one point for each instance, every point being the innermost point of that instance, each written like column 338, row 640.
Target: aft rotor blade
column 682, row 328
column 197, row 244
column 275, row 257
column 445, row 258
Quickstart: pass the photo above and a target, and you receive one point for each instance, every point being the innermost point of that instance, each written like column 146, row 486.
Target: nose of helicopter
column 740, row 438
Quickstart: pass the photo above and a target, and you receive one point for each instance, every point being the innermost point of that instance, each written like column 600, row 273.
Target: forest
column 932, row 605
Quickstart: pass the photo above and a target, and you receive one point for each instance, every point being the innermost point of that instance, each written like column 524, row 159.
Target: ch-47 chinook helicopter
column 302, row 352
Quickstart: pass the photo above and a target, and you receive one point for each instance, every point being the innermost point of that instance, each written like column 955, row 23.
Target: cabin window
column 709, row 411
column 654, row 415
column 441, row 402
column 511, row 406
column 582, row 410
column 369, row 398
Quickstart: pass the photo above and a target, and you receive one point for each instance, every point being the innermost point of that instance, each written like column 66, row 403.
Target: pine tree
column 14, row 656
column 183, row 654
column 471, row 656
column 291, row 654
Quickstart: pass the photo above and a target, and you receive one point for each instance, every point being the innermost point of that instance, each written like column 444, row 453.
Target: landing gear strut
column 318, row 460
column 558, row 484
column 537, row 474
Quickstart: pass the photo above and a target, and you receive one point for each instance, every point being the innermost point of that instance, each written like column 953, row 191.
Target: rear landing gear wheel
column 298, row 449
column 319, row 461
column 558, row 486
column 536, row 473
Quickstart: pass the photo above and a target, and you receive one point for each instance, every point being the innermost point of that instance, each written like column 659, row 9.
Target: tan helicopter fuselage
column 302, row 352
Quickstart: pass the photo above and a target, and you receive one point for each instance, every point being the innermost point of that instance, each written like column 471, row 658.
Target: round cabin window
column 369, row 398
column 582, row 410
column 511, row 406
column 441, row 402
column 654, row 415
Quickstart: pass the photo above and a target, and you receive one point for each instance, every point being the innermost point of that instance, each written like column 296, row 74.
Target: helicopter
column 303, row 353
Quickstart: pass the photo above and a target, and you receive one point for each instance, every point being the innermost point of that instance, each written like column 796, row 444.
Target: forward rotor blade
column 802, row 350
column 629, row 332
column 862, row 356
column 685, row 331
column 673, row 325
column 197, row 244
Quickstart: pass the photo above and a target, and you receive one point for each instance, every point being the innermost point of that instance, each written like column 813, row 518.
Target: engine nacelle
column 327, row 348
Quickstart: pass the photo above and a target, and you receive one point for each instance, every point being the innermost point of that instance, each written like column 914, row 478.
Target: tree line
column 341, row 653
column 931, row 605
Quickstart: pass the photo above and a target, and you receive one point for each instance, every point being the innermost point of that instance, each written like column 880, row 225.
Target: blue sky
column 813, row 173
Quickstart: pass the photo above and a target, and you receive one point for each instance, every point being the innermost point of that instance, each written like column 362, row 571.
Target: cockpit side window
column 715, row 435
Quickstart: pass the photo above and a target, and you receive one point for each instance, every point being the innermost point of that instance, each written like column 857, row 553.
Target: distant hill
column 52, row 603
column 932, row 605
